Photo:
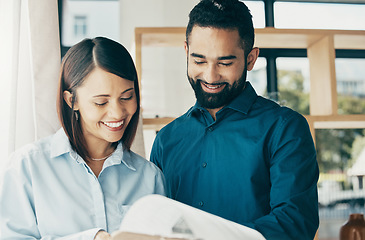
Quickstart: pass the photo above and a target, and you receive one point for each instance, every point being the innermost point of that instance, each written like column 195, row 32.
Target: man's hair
column 224, row 14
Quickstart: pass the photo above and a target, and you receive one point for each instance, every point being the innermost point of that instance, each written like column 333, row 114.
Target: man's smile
column 212, row 88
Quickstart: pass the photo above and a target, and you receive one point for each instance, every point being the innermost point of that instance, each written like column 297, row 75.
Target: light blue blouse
column 48, row 191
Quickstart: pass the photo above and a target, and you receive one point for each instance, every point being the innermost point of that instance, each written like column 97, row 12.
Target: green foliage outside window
column 336, row 149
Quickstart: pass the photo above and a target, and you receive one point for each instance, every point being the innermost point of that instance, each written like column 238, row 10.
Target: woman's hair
column 79, row 61
column 224, row 14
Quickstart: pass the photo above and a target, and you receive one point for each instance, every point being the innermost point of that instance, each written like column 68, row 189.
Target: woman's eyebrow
column 101, row 95
column 127, row 90
column 107, row 95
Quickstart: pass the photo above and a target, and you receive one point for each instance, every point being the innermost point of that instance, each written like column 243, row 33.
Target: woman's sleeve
column 160, row 183
column 17, row 212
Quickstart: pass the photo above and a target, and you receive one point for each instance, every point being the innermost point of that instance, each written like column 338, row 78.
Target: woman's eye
column 100, row 104
column 126, row 98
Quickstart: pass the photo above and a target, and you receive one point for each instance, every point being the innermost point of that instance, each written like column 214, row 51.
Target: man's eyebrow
column 197, row 55
column 230, row 57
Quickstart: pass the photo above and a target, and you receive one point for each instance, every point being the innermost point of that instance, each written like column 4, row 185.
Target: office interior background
column 282, row 74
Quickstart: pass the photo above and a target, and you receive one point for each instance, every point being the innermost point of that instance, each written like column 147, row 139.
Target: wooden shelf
column 265, row 37
column 320, row 45
column 156, row 123
column 305, row 38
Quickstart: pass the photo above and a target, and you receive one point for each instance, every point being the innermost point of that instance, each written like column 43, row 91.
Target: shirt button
column 210, row 128
column 204, row 164
column 201, row 203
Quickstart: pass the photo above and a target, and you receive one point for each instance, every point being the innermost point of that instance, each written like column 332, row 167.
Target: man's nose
column 211, row 74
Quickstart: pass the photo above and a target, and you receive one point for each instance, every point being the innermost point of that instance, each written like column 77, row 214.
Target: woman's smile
column 113, row 125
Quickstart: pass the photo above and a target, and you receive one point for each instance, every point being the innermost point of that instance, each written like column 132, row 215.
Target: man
column 236, row 154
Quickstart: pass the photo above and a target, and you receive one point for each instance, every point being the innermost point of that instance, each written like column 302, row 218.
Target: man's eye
column 198, row 62
column 226, row 64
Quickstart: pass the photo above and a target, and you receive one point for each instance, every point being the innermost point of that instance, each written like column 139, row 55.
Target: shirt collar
column 241, row 103
column 121, row 155
column 61, row 145
column 245, row 100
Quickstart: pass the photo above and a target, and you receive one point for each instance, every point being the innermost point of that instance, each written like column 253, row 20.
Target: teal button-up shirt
column 254, row 165
column 48, row 191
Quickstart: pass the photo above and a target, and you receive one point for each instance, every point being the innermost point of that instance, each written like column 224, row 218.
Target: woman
column 79, row 182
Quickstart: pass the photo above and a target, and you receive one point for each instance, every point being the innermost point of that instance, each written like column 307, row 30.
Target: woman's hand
column 102, row 235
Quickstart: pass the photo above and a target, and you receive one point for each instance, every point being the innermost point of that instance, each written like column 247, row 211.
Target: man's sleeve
column 294, row 174
column 155, row 156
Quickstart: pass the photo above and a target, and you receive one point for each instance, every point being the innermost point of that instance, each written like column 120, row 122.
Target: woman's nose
column 116, row 110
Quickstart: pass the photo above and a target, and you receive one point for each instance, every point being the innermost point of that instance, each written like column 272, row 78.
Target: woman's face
column 106, row 104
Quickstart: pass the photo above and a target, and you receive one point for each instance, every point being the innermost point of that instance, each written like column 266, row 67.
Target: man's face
column 216, row 66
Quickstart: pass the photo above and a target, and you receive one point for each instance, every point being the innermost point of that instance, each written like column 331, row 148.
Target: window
column 340, row 186
column 80, row 26
column 257, row 77
column 257, row 9
column 294, row 83
column 319, row 15
column 350, row 76
column 87, row 19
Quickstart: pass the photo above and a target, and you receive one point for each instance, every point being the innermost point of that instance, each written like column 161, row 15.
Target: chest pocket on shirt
column 123, row 209
column 116, row 216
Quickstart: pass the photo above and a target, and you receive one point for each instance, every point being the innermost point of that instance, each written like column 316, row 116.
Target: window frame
column 272, row 54
column 269, row 54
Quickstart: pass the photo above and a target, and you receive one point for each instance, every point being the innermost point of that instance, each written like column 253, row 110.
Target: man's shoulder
column 275, row 109
column 178, row 122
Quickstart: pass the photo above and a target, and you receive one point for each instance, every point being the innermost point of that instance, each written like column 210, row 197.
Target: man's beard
column 222, row 98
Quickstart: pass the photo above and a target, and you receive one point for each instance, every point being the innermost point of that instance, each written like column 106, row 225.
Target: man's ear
column 186, row 46
column 67, row 96
column 252, row 57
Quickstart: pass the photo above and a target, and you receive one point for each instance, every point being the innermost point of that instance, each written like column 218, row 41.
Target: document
column 157, row 217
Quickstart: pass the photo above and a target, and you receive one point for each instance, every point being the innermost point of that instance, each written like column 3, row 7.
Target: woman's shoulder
column 40, row 145
column 141, row 162
column 31, row 152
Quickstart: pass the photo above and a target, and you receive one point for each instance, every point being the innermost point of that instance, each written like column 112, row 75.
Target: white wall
column 156, row 13
column 165, row 89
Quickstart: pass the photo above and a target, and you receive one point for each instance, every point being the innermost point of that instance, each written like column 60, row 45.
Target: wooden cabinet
column 320, row 45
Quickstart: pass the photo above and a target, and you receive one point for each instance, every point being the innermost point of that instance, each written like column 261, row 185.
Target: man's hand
column 102, row 235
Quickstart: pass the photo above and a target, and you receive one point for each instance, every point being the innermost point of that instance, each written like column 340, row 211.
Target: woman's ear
column 252, row 57
column 67, row 96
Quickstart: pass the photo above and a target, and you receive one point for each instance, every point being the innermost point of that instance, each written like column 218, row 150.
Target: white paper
column 156, row 215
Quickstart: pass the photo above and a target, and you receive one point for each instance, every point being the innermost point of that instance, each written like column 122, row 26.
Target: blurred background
column 279, row 74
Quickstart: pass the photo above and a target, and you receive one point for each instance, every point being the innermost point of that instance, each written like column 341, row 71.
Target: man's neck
column 213, row 112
